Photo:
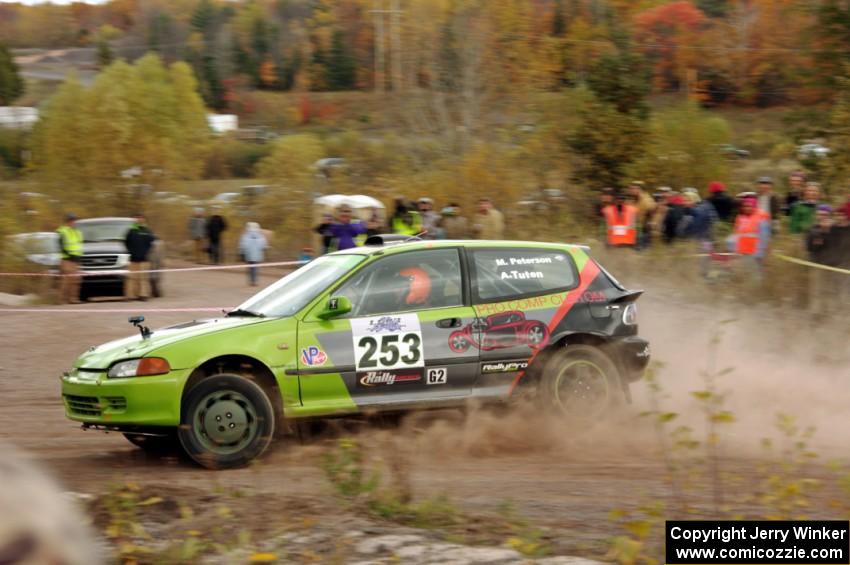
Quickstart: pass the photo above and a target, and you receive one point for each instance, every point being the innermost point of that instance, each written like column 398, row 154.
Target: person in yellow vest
column 71, row 248
column 751, row 235
column 621, row 223
column 406, row 219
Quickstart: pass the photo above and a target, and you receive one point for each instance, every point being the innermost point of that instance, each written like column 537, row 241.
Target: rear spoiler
column 627, row 296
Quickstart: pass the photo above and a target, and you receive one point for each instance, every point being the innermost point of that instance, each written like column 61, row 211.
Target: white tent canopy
column 357, row 201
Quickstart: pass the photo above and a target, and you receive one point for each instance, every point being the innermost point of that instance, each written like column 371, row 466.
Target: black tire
column 227, row 420
column 582, row 382
column 155, row 445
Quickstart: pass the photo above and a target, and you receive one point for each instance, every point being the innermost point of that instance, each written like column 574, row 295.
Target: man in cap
column 139, row 242
column 723, row 204
column 430, row 219
column 71, row 248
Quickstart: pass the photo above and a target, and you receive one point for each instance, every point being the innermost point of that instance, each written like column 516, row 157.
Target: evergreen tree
column 341, row 67
column 204, row 19
column 11, row 84
column 621, row 79
column 559, row 22
column 104, row 54
column 212, row 88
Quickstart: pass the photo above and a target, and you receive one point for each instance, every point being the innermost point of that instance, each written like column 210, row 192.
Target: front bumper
column 633, row 355
column 91, row 397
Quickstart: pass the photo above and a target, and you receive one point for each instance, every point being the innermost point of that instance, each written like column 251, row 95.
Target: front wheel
column 227, row 420
column 581, row 382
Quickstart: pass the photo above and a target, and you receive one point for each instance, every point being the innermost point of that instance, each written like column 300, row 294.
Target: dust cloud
column 778, row 363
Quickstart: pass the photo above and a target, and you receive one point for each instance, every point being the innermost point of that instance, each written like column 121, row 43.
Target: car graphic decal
column 588, row 275
column 500, row 331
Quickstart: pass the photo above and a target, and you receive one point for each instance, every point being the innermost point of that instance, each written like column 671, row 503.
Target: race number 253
column 389, row 351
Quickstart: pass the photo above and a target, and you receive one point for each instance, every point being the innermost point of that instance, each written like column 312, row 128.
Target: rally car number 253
column 404, row 326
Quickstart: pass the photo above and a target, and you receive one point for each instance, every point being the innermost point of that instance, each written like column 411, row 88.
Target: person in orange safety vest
column 621, row 221
column 752, row 230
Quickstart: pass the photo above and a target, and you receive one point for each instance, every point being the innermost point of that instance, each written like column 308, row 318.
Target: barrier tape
column 811, row 264
column 110, row 310
column 782, row 257
column 82, row 273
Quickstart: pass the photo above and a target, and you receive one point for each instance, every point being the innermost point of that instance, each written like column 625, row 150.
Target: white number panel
column 387, row 342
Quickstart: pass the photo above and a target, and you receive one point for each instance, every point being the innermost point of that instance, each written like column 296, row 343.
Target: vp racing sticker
column 313, row 356
column 384, row 343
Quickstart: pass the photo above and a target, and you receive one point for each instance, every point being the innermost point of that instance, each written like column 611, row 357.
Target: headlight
column 123, row 260
column 144, row 367
column 630, row 314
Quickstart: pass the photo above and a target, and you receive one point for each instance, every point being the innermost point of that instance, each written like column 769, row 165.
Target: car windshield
column 104, row 230
column 294, row 291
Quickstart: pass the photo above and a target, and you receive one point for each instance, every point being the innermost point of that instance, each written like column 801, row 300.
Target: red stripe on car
column 587, row 276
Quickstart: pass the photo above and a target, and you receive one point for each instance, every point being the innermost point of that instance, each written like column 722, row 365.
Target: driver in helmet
column 412, row 287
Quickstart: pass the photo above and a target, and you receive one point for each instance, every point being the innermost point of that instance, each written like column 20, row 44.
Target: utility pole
column 395, row 43
column 396, row 46
column 380, row 65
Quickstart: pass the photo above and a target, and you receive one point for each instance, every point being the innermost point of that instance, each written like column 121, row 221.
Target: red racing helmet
column 419, row 289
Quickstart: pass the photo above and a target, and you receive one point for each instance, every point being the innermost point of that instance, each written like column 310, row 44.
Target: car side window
column 502, row 274
column 402, row 282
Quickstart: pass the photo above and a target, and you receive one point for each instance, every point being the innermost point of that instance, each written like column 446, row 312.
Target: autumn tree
column 145, row 115
column 670, row 35
column 11, row 83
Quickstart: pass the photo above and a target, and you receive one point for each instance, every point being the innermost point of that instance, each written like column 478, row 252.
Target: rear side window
column 503, row 274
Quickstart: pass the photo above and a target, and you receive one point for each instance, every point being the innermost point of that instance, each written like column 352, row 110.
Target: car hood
column 103, row 356
column 104, row 247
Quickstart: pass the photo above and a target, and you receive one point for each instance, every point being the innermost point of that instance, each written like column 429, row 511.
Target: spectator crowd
column 724, row 225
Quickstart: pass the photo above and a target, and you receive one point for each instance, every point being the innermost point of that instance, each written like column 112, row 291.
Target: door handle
column 447, row 323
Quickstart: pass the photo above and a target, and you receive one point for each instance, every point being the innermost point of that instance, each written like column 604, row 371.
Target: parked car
column 225, row 198
column 40, row 248
column 729, row 150
column 105, row 258
column 368, row 329
column 809, row 150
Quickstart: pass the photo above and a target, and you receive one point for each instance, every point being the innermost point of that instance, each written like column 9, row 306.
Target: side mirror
column 335, row 306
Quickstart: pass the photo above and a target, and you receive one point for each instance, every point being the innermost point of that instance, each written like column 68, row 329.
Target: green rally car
column 388, row 326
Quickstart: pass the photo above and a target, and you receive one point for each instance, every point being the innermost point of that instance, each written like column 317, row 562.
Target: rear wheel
column 227, row 420
column 582, row 382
